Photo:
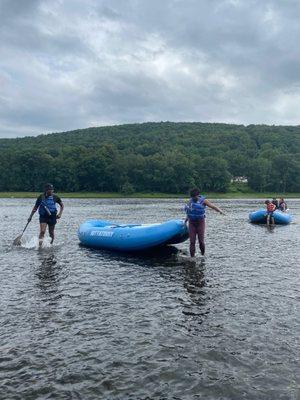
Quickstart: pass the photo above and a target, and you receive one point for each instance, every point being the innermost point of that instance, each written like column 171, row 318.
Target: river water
column 77, row 323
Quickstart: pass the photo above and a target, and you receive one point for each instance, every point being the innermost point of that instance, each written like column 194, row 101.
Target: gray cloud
column 71, row 64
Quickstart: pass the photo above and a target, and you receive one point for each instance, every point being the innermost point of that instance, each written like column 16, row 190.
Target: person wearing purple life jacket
column 282, row 205
column 195, row 216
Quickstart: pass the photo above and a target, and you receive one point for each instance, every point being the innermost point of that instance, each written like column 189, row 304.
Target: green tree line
column 154, row 157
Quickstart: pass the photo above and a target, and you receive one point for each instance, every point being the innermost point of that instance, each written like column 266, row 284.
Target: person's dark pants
column 48, row 219
column 197, row 229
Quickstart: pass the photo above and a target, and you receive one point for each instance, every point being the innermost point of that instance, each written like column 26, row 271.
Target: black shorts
column 48, row 219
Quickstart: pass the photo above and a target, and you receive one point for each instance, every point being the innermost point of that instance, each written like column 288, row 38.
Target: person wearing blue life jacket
column 46, row 204
column 195, row 216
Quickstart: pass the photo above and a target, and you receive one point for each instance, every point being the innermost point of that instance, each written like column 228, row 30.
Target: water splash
column 33, row 243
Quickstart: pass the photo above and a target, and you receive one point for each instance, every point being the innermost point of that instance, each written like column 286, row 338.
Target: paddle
column 17, row 241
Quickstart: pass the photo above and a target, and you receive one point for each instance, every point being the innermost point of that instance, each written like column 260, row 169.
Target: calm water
column 77, row 323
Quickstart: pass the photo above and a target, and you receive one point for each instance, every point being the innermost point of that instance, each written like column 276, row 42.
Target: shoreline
column 106, row 195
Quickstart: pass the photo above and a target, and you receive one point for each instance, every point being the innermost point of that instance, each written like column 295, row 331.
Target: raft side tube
column 260, row 217
column 131, row 237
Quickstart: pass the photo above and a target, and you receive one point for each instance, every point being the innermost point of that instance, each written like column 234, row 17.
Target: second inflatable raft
column 260, row 217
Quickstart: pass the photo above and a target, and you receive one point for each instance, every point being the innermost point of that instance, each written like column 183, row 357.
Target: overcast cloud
column 67, row 64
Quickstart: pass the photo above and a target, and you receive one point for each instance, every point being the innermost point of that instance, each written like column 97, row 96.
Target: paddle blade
column 17, row 241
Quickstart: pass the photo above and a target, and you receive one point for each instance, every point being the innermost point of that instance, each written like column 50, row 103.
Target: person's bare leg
column 192, row 235
column 51, row 232
column 42, row 233
column 201, row 233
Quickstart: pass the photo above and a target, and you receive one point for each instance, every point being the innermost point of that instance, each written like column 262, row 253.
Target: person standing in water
column 270, row 210
column 46, row 204
column 195, row 216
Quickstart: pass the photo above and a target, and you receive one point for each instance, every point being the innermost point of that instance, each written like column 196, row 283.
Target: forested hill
column 154, row 157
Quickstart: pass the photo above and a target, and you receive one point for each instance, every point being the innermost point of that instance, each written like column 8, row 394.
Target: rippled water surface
column 76, row 323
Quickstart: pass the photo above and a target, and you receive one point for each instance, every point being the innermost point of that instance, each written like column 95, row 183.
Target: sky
column 70, row 64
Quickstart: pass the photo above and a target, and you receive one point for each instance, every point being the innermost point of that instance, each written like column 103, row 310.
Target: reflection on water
column 47, row 280
column 197, row 308
column 91, row 324
column 194, row 281
column 270, row 228
column 144, row 258
column 48, row 272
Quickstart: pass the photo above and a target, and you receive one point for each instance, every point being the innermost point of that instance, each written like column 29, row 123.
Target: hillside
column 154, row 157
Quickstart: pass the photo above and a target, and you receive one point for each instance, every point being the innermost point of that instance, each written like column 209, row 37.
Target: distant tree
column 162, row 157
column 237, row 163
column 213, row 174
column 259, row 173
column 127, row 188
column 285, row 174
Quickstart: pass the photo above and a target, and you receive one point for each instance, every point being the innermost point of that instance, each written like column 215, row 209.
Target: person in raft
column 282, row 205
column 275, row 202
column 46, row 204
column 270, row 209
column 195, row 215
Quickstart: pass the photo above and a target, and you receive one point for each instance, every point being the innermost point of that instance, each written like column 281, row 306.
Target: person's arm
column 210, row 205
column 36, row 206
column 186, row 217
column 61, row 206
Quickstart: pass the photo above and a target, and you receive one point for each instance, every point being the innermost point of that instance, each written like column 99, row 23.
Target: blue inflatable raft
column 131, row 237
column 260, row 217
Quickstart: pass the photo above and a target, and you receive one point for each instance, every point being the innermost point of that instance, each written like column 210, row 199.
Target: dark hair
column 267, row 202
column 194, row 192
column 48, row 186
